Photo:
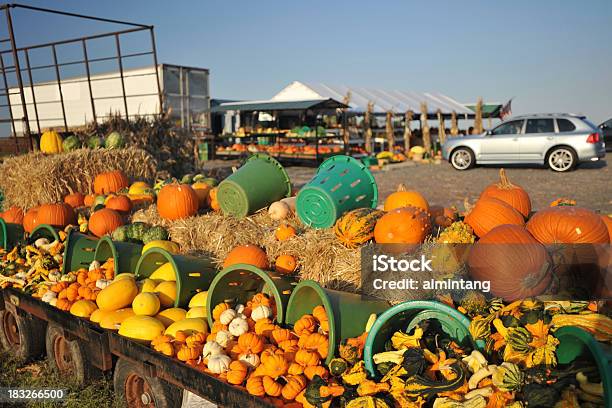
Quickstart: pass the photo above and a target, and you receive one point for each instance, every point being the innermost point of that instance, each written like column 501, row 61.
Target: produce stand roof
column 488, row 109
column 271, row 105
column 384, row 100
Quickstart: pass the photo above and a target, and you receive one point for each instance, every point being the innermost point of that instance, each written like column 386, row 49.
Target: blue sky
column 549, row 55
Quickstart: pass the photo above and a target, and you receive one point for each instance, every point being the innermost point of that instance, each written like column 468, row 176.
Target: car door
column 501, row 144
column 538, row 137
column 606, row 129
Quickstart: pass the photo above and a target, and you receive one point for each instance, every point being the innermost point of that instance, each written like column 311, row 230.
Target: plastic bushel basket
column 257, row 184
column 79, row 251
column 347, row 313
column 576, row 343
column 341, row 184
column 405, row 317
column 125, row 255
column 238, row 283
column 193, row 274
column 10, row 235
column 44, row 231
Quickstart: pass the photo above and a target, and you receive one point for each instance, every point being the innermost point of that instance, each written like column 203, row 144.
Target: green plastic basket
column 193, row 274
column 347, row 313
column 10, row 235
column 44, row 231
column 238, row 283
column 406, row 316
column 125, row 254
column 79, row 251
column 341, row 184
column 257, row 184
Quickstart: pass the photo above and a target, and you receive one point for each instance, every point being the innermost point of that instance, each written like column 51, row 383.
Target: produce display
column 514, row 355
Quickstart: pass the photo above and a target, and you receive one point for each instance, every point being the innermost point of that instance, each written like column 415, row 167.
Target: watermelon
column 121, row 234
column 114, row 141
column 136, row 231
column 71, row 143
column 187, row 179
column 210, row 181
column 95, row 142
column 155, row 234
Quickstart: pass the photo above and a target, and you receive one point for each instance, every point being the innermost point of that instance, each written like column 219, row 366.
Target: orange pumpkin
column 30, row 219
column 275, row 365
column 251, row 343
column 489, row 213
column 254, row 386
column 248, row 254
column 515, row 263
column 512, row 194
column 607, row 219
column 75, row 200
column 13, row 215
column 406, row 198
column 177, row 201
column 305, row 325
column 57, row 215
column 407, row 225
column 120, row 203
column 213, row 203
column 271, row 387
column 89, row 200
column 104, row 221
column 110, row 182
column 237, row 372
column 202, row 190
column 284, row 232
column 285, row 264
column 568, row 225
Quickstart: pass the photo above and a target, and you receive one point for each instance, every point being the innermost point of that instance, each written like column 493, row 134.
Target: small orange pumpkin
column 237, row 372
column 406, row 198
column 75, row 200
column 104, row 221
column 89, row 200
column 254, row 386
column 406, row 225
column 177, row 201
column 284, row 232
column 285, row 264
column 251, row 343
column 119, row 203
column 249, row 254
column 13, row 215
column 305, row 325
column 110, row 182
column 30, row 219
column 271, row 387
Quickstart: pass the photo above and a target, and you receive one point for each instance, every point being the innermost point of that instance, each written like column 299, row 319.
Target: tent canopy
column 383, row 100
column 274, row 105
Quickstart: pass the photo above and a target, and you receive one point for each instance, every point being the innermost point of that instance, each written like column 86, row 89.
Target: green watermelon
column 210, row 181
column 95, row 142
column 114, row 141
column 198, row 177
column 154, row 234
column 71, row 143
column 121, row 234
column 187, row 179
column 136, row 231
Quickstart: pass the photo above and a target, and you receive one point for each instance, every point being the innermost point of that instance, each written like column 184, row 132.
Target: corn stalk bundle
column 441, row 128
column 367, row 123
column 425, row 128
column 389, row 131
column 407, row 130
column 478, row 118
column 454, row 128
column 346, row 134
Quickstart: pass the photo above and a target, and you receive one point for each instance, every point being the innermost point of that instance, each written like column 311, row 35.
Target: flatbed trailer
column 83, row 350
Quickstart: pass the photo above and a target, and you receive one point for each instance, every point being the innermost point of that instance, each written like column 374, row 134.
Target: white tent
column 384, row 100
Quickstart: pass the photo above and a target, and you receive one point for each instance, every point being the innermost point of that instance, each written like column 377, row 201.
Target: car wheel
column 462, row 159
column 561, row 159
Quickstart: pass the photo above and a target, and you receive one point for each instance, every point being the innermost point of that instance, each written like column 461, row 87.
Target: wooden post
column 454, row 128
column 478, row 118
column 425, row 127
column 407, row 131
column 389, row 131
column 367, row 123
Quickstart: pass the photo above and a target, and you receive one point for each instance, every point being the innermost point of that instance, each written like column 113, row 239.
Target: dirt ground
column 590, row 184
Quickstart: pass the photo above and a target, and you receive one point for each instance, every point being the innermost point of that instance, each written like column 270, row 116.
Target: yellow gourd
column 83, row 308
column 51, row 142
column 164, row 273
column 166, row 291
column 197, row 311
column 169, row 316
column 198, row 300
column 141, row 328
column 115, row 318
column 169, row 246
column 188, row 326
column 146, row 304
column 117, row 295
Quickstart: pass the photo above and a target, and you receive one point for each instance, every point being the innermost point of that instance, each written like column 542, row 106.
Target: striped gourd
column 356, row 227
column 599, row 325
column 519, row 338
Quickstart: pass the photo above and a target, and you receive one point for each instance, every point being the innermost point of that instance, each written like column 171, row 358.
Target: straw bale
column 35, row 178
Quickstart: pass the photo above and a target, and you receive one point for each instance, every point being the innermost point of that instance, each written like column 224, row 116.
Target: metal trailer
column 29, row 328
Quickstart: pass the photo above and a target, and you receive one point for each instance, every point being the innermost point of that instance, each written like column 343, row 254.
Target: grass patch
column 99, row 394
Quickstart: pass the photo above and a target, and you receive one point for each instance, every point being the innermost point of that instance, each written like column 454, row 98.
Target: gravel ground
column 590, row 184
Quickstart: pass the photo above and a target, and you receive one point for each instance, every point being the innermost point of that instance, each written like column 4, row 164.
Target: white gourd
column 238, row 326
column 94, row 265
column 211, row 348
column 49, row 296
column 227, row 316
column 251, row 359
column 278, row 210
column 239, row 308
column 102, row 283
column 261, row 312
column 219, row 363
column 223, row 337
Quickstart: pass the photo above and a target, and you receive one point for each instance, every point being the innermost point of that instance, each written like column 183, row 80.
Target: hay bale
column 320, row 255
column 35, row 178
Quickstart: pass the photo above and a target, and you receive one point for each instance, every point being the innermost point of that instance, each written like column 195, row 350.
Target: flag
column 506, row 110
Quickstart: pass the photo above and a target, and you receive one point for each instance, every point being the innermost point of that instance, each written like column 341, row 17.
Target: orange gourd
column 251, row 343
column 119, row 203
column 305, row 325
column 294, row 385
column 311, row 371
column 512, row 194
column 405, row 198
column 13, row 215
column 312, row 341
column 489, row 213
column 307, row 358
column 89, row 199
column 104, row 221
column 237, row 372
column 110, row 182
column 248, row 254
column 177, row 201
column 271, row 387
column 279, row 335
column 407, row 225
column 254, row 386
column 275, row 365
column 218, row 309
column 75, row 200
column 57, row 215
column 213, row 203
column 284, row 232
column 63, row 304
column 30, row 219
column 285, row 264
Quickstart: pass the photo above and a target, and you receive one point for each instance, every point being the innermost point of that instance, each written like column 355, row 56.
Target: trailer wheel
column 140, row 391
column 69, row 357
column 22, row 336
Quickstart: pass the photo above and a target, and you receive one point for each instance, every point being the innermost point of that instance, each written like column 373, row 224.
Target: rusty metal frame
column 15, row 51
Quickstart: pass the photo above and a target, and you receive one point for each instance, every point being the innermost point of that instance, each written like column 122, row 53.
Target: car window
column 565, row 125
column 509, row 128
column 608, row 124
column 540, row 126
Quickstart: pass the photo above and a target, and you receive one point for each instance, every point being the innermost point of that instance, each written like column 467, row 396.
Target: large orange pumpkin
column 75, row 200
column 104, row 221
column 248, row 254
column 13, row 215
column 110, row 182
column 607, row 219
column 512, row 194
column 119, row 203
column 406, row 225
column 30, row 219
column 176, row 201
column 515, row 263
column 568, row 225
column 57, row 215
column 490, row 212
column 405, row 198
